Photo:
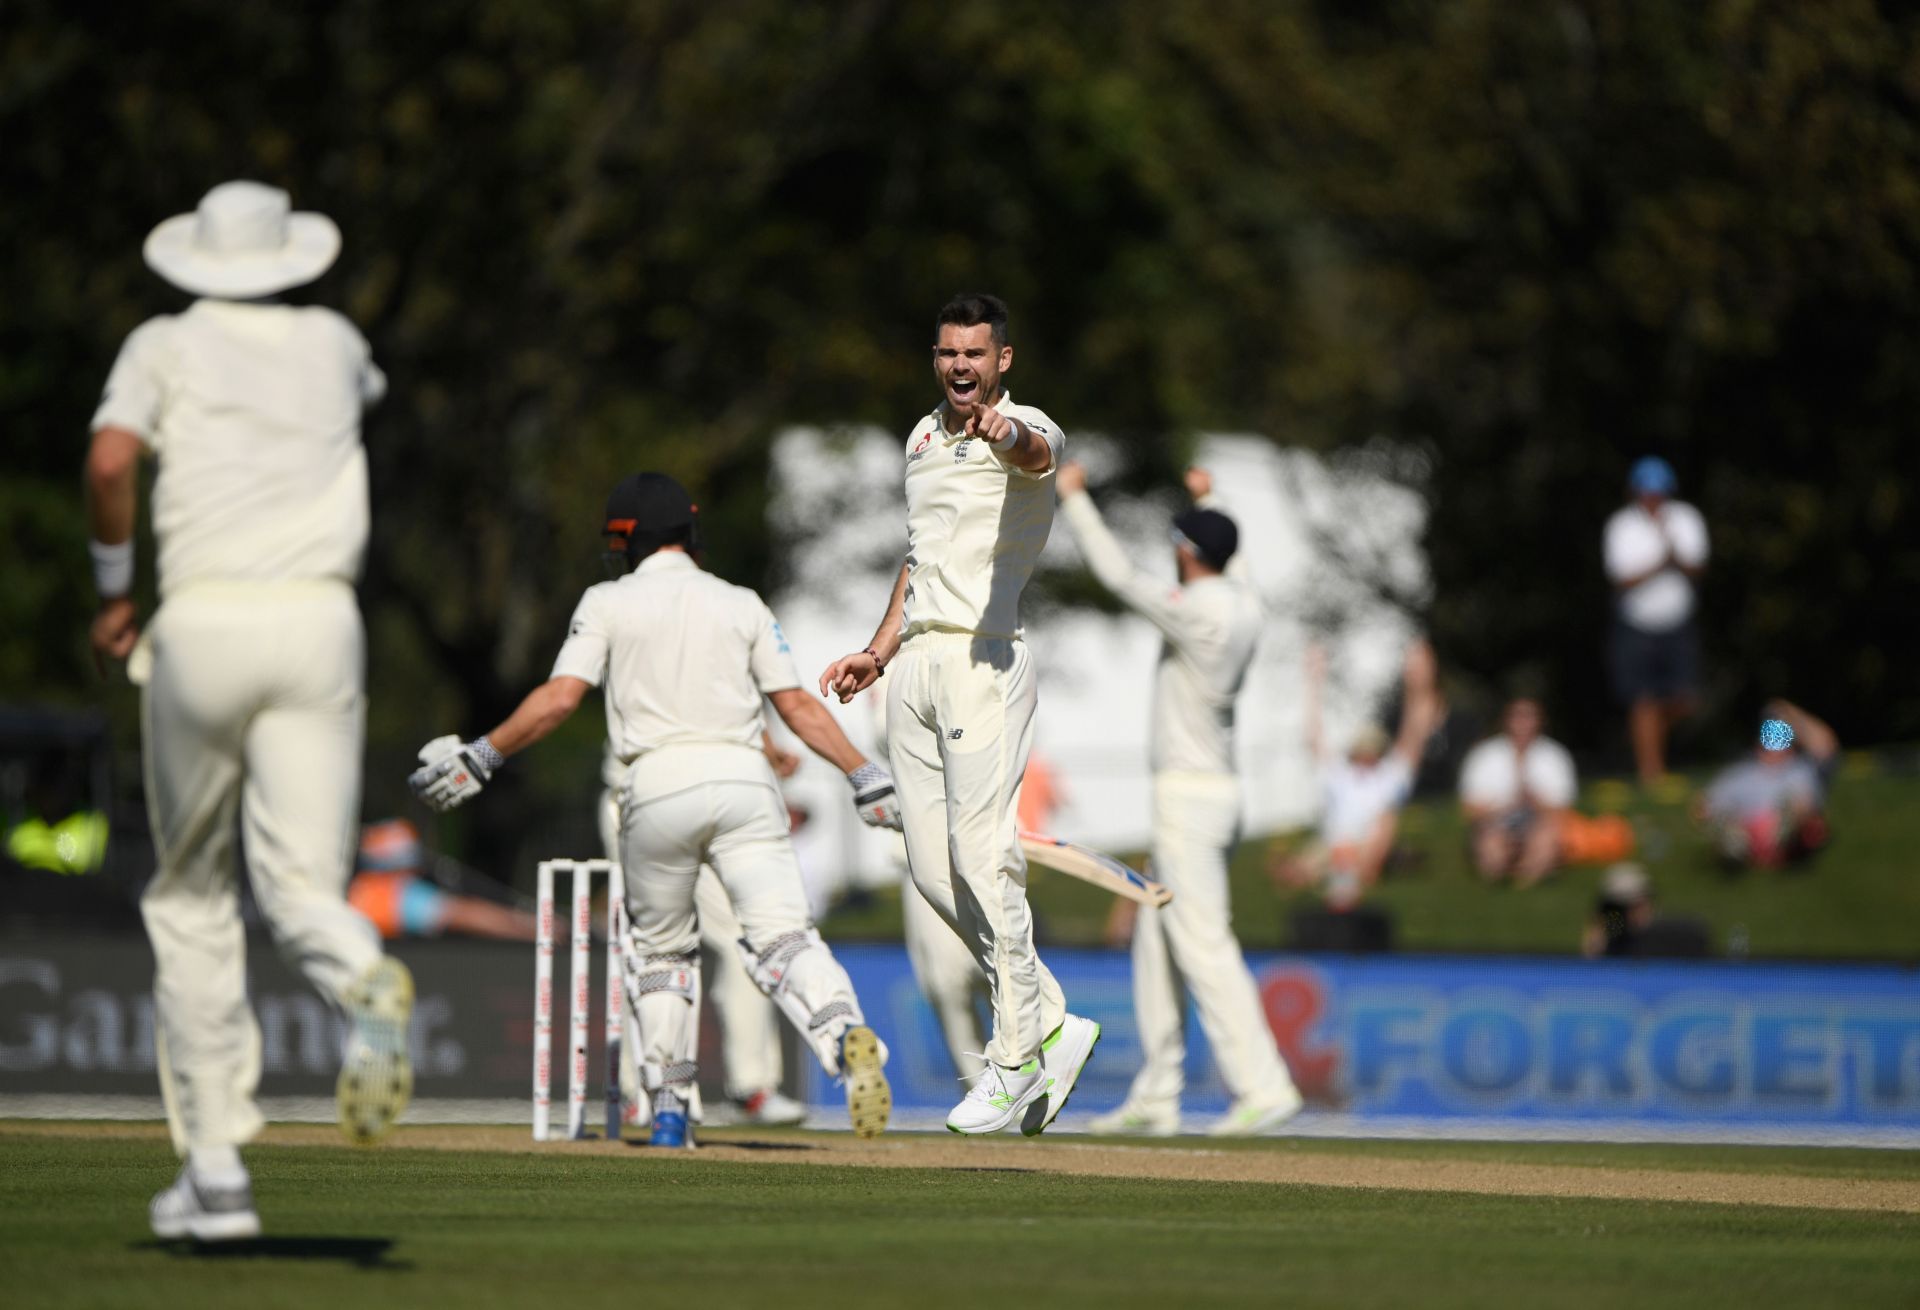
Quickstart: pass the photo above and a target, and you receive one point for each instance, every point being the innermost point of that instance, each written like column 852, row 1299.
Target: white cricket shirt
column 1355, row 796
column 684, row 658
column 253, row 411
column 1493, row 771
column 975, row 525
column 1635, row 542
column 1210, row 629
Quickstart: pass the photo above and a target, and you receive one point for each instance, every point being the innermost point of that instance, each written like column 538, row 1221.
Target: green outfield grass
column 1860, row 900
column 405, row 1227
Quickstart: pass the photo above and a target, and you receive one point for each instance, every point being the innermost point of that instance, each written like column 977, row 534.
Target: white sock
column 217, row 1165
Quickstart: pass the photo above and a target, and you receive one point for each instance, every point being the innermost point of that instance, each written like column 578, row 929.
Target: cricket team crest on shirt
column 960, row 451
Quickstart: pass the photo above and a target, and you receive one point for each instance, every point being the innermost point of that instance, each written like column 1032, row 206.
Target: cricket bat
column 1090, row 865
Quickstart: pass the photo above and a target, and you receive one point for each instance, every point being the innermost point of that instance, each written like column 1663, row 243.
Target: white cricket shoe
column 768, row 1108
column 191, row 1207
column 1130, row 1120
column 869, row 1098
column 376, row 1076
column 1062, row 1057
column 997, row 1097
column 1252, row 1115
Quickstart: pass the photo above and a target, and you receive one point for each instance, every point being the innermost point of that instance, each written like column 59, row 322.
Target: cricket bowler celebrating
column 252, row 669
column 684, row 659
column 961, row 701
column 1210, row 623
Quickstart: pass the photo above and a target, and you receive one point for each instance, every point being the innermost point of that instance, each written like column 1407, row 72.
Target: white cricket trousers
column 1188, row 947
column 949, row 979
column 749, row 1026
column 253, row 705
column 691, row 804
column 959, row 726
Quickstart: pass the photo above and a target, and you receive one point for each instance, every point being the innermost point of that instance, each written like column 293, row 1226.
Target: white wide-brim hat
column 243, row 241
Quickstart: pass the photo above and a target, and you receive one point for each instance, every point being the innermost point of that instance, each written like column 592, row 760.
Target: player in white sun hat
column 1209, row 625
column 253, row 669
column 961, row 698
column 684, row 660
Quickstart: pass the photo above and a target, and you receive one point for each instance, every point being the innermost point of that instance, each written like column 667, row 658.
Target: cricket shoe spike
column 998, row 1097
column 376, row 1075
column 194, row 1208
column 1062, row 1057
column 862, row 1066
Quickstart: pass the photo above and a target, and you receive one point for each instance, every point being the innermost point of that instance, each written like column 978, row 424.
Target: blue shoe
column 669, row 1129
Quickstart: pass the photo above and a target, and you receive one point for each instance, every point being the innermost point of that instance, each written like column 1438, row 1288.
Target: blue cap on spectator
column 1652, row 476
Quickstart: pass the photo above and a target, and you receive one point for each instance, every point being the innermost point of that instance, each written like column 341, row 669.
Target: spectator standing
column 1515, row 791
column 1656, row 551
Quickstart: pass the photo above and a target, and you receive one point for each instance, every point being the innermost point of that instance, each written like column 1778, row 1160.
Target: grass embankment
column 1859, row 900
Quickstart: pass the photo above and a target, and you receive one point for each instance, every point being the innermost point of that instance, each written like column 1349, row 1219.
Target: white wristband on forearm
column 112, row 568
column 1013, row 435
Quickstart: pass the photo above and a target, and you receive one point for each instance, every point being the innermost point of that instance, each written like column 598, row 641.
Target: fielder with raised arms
column 961, row 701
column 684, row 659
column 253, row 669
column 1210, row 623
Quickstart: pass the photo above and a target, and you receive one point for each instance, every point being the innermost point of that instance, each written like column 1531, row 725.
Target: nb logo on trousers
column 955, row 734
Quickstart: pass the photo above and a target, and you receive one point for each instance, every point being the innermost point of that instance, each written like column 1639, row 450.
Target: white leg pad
column 800, row 975
column 664, row 991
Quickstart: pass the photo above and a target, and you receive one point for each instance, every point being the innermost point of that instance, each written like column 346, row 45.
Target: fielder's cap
column 648, row 505
column 1652, row 476
column 243, row 241
column 1212, row 535
column 1626, row 884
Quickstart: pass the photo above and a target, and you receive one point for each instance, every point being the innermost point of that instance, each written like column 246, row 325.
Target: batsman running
column 253, row 708
column 961, row 698
column 1209, row 623
column 684, row 660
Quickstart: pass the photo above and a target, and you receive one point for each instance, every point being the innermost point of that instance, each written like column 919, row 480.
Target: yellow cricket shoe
column 376, row 1077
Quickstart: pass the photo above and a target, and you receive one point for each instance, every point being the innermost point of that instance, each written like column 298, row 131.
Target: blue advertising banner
column 1733, row 1046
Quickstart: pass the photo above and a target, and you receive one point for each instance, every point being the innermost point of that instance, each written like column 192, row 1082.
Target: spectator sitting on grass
column 1365, row 790
column 1769, row 810
column 1516, row 790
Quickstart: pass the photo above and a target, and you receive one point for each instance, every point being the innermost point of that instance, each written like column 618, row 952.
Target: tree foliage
column 1532, row 241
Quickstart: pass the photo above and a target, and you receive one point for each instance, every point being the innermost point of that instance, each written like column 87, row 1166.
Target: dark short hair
column 972, row 310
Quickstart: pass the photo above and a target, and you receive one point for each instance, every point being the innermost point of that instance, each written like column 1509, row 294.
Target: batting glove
column 873, row 796
column 451, row 771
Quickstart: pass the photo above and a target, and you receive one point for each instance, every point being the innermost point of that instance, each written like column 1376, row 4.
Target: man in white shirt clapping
column 1656, row 550
column 1515, row 790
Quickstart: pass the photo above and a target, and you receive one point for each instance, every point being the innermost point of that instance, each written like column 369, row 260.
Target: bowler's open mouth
column 962, row 389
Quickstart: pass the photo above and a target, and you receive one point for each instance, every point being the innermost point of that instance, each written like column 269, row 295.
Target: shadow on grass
column 739, row 1145
column 985, row 1169
column 360, row 1252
